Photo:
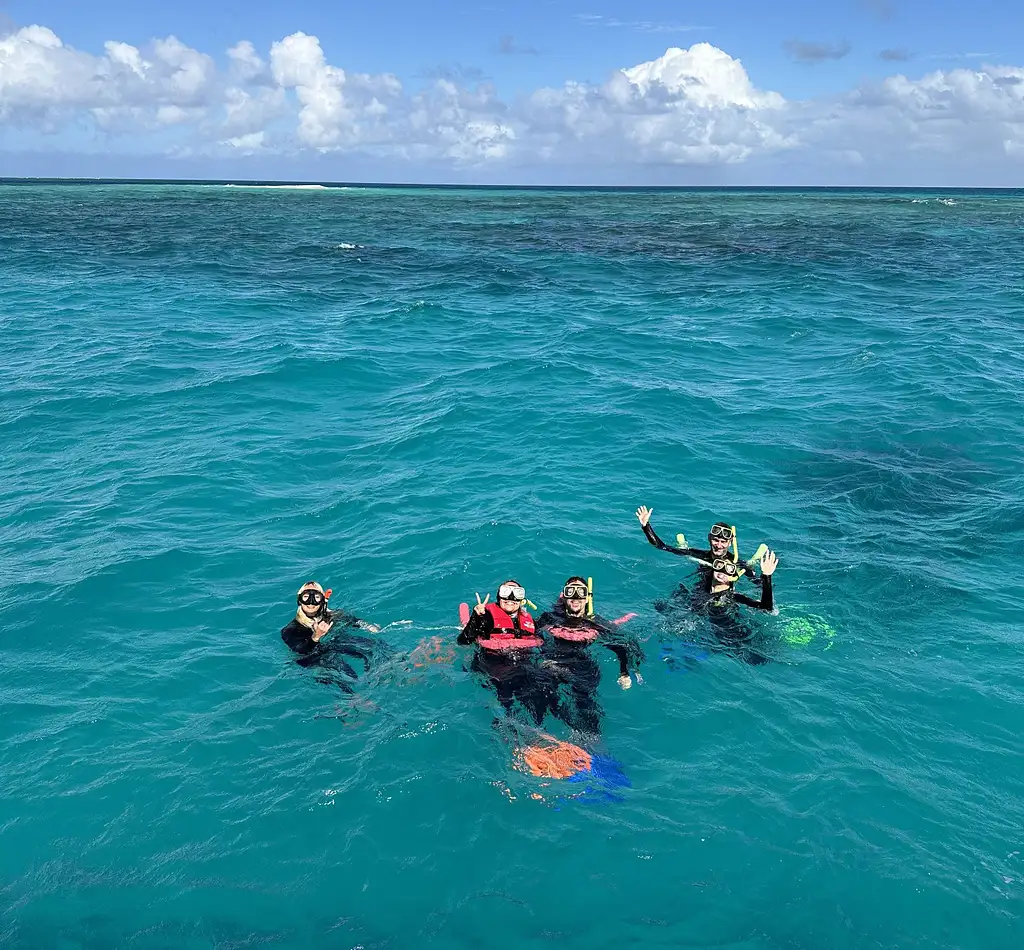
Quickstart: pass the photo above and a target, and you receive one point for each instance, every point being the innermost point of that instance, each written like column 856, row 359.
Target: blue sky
column 818, row 56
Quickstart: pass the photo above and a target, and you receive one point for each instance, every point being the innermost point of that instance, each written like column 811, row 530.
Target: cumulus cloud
column 42, row 81
column 297, row 62
column 689, row 107
column 464, row 125
column 965, row 115
column 246, row 64
column 811, row 53
column 703, row 76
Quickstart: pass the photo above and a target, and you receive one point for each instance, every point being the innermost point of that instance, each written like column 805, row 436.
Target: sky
column 847, row 92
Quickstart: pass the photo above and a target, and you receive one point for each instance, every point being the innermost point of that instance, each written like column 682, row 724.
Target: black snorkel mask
column 311, row 597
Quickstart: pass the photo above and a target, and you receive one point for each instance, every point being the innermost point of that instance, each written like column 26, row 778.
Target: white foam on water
column 287, row 187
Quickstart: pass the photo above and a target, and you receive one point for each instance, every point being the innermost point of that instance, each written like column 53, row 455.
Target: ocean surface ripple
column 213, row 394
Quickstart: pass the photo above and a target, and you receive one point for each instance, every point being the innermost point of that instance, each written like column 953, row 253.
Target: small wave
column 349, row 247
column 291, row 187
column 942, row 201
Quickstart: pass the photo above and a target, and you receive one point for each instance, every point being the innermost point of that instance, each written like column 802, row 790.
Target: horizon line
column 327, row 185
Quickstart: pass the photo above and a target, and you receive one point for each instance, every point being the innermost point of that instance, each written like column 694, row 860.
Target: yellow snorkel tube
column 762, row 550
column 590, row 597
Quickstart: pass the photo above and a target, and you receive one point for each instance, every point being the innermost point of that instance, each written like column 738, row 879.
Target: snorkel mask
column 313, row 595
column 512, row 591
column 724, row 532
column 726, row 568
column 576, row 588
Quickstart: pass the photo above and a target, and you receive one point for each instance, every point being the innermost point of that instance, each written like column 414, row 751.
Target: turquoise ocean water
column 211, row 394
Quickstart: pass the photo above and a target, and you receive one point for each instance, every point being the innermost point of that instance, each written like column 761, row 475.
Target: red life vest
column 505, row 635
column 585, row 634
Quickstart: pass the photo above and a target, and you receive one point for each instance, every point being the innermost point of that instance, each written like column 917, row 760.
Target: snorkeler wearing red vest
column 507, row 646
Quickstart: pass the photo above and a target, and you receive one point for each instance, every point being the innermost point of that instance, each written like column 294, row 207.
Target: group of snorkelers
column 547, row 665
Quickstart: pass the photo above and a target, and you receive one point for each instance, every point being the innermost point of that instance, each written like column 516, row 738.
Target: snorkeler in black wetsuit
column 313, row 621
column 506, row 654
column 717, row 599
column 720, row 537
column 569, row 633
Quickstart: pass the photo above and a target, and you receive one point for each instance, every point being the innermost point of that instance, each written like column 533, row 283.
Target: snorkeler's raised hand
column 644, row 513
column 768, row 564
column 320, row 629
column 481, row 605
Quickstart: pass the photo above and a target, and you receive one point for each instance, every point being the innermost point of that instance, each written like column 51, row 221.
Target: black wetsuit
column 720, row 609
column 328, row 654
column 700, row 554
column 514, row 674
column 574, row 669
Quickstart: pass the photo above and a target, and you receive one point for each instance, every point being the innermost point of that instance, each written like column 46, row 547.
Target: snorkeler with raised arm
column 507, row 647
column 721, row 538
column 715, row 597
column 313, row 621
column 570, row 628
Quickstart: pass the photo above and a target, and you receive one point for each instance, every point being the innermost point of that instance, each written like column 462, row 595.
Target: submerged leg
column 536, row 693
column 575, row 697
column 362, row 648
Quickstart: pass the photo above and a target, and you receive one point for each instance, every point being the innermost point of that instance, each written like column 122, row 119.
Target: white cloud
column 246, row 144
column 335, row 109
column 705, row 76
column 42, row 81
column 188, row 73
column 246, row 63
column 450, row 121
column 172, row 115
column 960, row 94
column 962, row 114
column 298, row 63
column 251, row 110
column 121, row 54
column 688, row 107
